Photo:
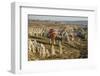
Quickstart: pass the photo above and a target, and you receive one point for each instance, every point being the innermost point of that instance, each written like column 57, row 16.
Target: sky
column 57, row 18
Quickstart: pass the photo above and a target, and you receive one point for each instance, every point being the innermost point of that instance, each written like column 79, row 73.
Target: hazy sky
column 57, row 18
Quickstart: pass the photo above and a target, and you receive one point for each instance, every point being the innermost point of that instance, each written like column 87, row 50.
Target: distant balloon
column 52, row 33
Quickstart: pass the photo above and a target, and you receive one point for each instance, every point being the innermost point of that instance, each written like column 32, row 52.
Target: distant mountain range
column 76, row 22
column 63, row 22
